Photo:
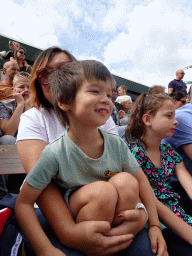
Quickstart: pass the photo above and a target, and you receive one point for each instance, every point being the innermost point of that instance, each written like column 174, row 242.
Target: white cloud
column 37, row 22
column 155, row 43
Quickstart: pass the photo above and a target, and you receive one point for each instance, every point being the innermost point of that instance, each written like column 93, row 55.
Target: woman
column 19, row 56
column 38, row 127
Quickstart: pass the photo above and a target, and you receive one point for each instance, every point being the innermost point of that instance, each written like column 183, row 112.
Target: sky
column 145, row 41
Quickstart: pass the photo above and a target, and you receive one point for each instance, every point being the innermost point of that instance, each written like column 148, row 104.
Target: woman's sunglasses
column 22, row 52
column 43, row 73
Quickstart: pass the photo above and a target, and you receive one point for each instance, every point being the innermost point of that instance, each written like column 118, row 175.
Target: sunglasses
column 183, row 102
column 22, row 52
column 43, row 73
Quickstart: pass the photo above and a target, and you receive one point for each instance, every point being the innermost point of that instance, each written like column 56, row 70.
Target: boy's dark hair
column 177, row 95
column 66, row 81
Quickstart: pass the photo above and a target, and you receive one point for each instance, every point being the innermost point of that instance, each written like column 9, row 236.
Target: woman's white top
column 43, row 124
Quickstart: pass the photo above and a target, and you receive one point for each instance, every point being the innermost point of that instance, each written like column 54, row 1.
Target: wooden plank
column 10, row 162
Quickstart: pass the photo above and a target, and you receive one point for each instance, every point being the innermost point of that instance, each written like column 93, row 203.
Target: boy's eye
column 95, row 91
column 109, row 96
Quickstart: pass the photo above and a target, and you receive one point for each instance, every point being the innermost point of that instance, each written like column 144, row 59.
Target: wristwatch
column 141, row 206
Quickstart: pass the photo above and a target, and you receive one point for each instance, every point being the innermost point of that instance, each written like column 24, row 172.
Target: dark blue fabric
column 140, row 246
column 178, row 86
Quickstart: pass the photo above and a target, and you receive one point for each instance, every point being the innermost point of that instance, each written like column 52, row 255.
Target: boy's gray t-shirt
column 65, row 162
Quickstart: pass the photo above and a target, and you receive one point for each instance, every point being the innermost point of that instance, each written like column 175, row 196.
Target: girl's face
column 92, row 105
column 54, row 61
column 163, row 124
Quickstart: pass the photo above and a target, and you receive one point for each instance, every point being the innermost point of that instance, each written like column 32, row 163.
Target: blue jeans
column 139, row 247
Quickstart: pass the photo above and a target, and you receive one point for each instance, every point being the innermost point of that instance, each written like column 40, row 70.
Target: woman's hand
column 158, row 244
column 90, row 239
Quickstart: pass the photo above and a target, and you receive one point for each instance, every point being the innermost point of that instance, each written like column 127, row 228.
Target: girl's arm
column 173, row 222
column 28, row 221
column 147, row 196
column 184, row 178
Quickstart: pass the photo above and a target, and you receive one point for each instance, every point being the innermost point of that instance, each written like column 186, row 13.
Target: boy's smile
column 92, row 105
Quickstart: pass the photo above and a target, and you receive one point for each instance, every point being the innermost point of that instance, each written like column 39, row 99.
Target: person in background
column 122, row 93
column 179, row 99
column 19, row 56
column 190, row 94
column 10, row 68
column 156, row 89
column 127, row 105
column 177, row 85
column 114, row 113
column 10, row 112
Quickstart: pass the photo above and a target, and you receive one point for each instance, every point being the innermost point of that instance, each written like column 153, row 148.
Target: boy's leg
column 94, row 201
column 128, row 197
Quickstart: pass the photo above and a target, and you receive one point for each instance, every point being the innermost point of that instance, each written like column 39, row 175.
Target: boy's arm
column 28, row 221
column 10, row 126
column 147, row 196
column 184, row 178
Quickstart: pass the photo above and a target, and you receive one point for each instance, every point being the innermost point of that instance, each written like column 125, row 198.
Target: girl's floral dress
column 159, row 178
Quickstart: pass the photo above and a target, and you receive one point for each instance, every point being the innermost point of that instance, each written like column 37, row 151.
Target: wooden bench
column 10, row 162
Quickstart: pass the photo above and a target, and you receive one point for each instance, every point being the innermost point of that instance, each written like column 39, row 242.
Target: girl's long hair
column 144, row 104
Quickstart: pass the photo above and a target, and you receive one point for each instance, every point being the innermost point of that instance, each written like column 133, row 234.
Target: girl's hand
column 158, row 244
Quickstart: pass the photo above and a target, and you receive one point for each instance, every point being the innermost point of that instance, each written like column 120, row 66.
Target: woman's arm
column 147, row 196
column 30, row 152
column 173, row 222
column 86, row 236
column 184, row 178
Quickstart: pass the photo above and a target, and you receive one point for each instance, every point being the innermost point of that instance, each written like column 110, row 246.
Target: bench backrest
column 10, row 162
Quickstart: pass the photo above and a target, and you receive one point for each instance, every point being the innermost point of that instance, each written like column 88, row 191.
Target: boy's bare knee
column 125, row 182
column 103, row 190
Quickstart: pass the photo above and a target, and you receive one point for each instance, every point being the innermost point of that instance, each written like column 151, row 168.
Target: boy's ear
column 63, row 106
column 147, row 119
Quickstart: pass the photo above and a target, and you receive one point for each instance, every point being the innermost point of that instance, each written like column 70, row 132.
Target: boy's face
column 127, row 104
column 92, row 105
column 22, row 85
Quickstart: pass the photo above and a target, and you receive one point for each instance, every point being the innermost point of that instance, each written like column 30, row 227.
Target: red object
column 4, row 216
column 150, row 226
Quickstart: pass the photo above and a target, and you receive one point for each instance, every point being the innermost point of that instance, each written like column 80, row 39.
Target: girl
column 152, row 119
column 81, row 94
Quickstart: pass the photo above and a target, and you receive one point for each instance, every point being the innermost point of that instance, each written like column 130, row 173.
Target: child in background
column 11, row 110
column 152, row 119
column 102, row 177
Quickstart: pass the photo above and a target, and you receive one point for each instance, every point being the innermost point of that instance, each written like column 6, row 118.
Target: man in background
column 10, row 68
column 177, row 85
